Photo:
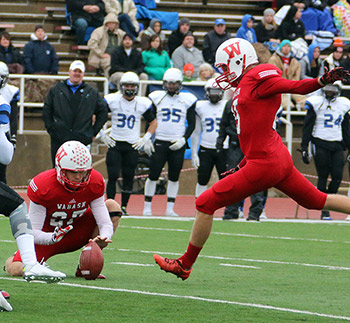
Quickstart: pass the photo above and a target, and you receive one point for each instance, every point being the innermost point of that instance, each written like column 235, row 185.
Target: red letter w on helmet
column 231, row 50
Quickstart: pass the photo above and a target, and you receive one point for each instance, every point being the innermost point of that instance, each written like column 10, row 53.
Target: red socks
column 190, row 256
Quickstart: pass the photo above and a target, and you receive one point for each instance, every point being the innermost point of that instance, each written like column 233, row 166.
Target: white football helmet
column 172, row 81
column 212, row 91
column 4, row 74
column 73, row 156
column 129, row 78
column 332, row 91
column 233, row 56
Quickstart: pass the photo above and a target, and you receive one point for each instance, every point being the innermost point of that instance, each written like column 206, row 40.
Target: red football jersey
column 63, row 207
column 255, row 104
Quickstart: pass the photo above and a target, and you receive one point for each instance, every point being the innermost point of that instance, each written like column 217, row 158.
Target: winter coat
column 212, row 41
column 98, row 41
column 293, row 72
column 149, row 32
column 69, row 116
column 121, row 62
column 182, row 56
column 289, row 28
column 128, row 7
column 245, row 32
column 10, row 55
column 40, row 57
column 155, row 64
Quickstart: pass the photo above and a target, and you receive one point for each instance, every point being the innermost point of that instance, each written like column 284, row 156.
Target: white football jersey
column 329, row 117
column 10, row 92
column 171, row 113
column 210, row 116
column 126, row 116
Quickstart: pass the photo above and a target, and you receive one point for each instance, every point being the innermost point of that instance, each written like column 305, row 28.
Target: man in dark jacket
column 177, row 36
column 39, row 55
column 213, row 39
column 73, row 110
column 126, row 58
column 84, row 14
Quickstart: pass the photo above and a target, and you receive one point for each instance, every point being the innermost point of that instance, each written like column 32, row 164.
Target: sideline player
column 124, row 141
column 14, row 207
column 172, row 108
column 327, row 126
column 267, row 162
column 208, row 117
column 66, row 205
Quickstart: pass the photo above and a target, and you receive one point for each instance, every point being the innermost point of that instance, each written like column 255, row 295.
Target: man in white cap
column 73, row 110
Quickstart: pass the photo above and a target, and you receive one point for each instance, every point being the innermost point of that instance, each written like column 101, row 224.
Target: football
column 91, row 261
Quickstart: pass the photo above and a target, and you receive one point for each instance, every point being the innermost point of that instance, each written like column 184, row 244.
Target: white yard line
column 201, row 299
column 242, row 259
column 131, row 264
column 240, row 266
column 234, row 234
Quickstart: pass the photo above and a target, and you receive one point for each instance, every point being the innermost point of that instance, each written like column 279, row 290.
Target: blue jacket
column 40, row 57
column 245, row 32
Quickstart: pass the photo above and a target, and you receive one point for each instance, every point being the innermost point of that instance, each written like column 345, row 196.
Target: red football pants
column 77, row 238
column 258, row 175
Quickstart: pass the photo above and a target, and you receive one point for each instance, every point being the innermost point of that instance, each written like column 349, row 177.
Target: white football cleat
column 4, row 304
column 147, row 212
column 263, row 215
column 170, row 213
column 240, row 214
column 347, row 218
column 41, row 272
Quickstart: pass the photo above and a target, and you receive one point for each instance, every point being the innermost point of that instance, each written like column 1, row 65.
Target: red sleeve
column 278, row 85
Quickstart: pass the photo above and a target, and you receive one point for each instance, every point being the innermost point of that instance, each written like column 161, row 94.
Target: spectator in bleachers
column 188, row 53
column 206, row 72
column 213, row 39
column 84, row 14
column 311, row 63
column 290, row 68
column 39, row 55
column 126, row 58
column 188, row 72
column 156, row 59
column 154, row 28
column 10, row 55
column 103, row 41
column 246, row 30
column 177, row 36
column 333, row 60
column 291, row 27
column 126, row 12
column 345, row 62
column 266, row 30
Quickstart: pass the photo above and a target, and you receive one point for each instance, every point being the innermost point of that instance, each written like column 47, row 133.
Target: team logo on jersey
column 73, row 201
column 71, row 206
column 232, row 50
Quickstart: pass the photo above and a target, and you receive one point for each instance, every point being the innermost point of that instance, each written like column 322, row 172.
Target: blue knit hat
column 285, row 42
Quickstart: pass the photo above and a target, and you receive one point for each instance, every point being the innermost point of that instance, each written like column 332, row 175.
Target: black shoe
column 252, row 219
column 229, row 217
column 123, row 209
column 325, row 215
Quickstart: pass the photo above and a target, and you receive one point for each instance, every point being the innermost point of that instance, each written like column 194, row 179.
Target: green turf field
column 247, row 272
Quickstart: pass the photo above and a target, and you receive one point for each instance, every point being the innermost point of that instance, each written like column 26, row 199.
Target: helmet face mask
column 4, row 74
column 73, row 157
column 233, row 56
column 172, row 81
column 331, row 91
column 212, row 92
column 129, row 84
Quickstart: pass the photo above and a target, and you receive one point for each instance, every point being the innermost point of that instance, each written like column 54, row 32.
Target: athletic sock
column 190, row 256
column 25, row 243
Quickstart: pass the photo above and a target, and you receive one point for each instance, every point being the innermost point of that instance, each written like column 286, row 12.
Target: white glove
column 59, row 233
column 195, row 161
column 148, row 148
column 108, row 140
column 177, row 143
column 141, row 142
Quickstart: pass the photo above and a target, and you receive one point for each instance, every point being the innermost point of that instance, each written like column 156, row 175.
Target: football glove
column 108, row 140
column 141, row 142
column 337, row 73
column 305, row 156
column 195, row 161
column 148, row 148
column 177, row 144
column 59, row 233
